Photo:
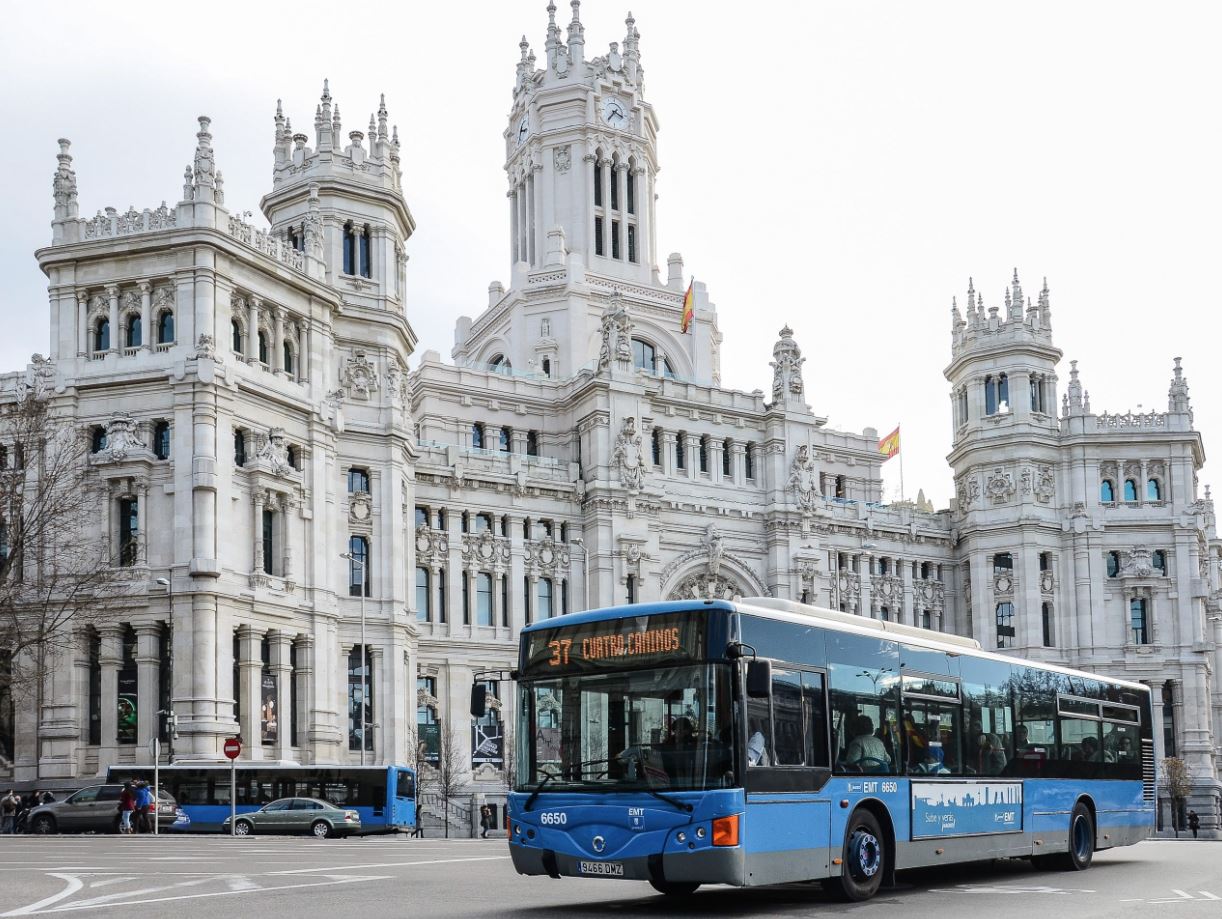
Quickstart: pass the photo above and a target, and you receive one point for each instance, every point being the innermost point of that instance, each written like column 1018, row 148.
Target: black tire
column 243, row 828
column 320, row 829
column 865, row 859
column 1081, row 844
column 675, row 888
column 44, row 825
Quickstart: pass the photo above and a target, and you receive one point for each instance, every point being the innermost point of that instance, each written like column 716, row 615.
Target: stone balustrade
column 264, row 242
column 112, row 223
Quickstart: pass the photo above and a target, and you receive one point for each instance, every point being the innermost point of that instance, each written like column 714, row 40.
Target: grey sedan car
column 96, row 808
column 298, row 815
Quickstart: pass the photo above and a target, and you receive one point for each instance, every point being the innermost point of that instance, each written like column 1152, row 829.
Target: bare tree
column 56, row 571
column 1178, row 782
column 451, row 769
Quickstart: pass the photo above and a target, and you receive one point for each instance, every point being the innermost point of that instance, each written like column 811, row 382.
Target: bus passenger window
column 816, row 720
column 787, row 718
column 759, row 733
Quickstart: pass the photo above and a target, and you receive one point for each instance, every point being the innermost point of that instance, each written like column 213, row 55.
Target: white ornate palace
column 253, row 422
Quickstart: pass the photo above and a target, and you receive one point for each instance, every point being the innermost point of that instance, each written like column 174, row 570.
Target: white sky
column 843, row 167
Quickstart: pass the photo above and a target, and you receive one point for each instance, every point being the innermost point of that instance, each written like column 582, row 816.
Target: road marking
column 73, row 885
column 431, row 861
column 985, row 888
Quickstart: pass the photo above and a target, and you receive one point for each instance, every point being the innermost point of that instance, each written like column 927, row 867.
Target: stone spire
column 787, row 361
column 63, row 185
column 525, row 63
column 632, row 50
column 1073, row 402
column 322, row 120
column 383, row 117
column 552, row 46
column 1045, row 312
column 576, row 35
column 205, row 162
column 1015, row 299
column 1177, row 394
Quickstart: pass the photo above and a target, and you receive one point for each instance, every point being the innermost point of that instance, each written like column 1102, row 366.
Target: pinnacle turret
column 1017, row 316
column 1177, row 393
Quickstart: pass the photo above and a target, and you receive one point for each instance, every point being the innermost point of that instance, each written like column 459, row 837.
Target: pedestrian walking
column 9, row 805
column 1194, row 823
column 144, row 801
column 418, row 829
column 127, row 806
column 485, row 821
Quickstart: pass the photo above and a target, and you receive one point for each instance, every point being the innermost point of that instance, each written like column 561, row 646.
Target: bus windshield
column 659, row 729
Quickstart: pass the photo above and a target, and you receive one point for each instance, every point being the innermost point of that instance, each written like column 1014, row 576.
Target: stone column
column 277, row 355
column 622, row 207
column 146, row 316
column 606, row 197
column 142, row 519
column 148, row 670
column 497, row 581
column 738, row 466
column 716, row 449
column 303, row 676
column 252, row 328
column 257, row 502
column 303, row 352
column 82, row 323
column 909, row 615
column 513, row 225
column 693, row 456
column 282, row 668
column 112, row 294
column 472, row 609
column 377, row 698
column 640, row 200
column 111, row 661
column 250, row 672
column 668, row 452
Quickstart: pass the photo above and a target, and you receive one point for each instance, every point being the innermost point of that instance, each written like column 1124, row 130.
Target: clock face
column 523, row 129
column 615, row 112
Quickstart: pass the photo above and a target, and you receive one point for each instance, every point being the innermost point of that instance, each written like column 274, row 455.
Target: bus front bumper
column 706, row 866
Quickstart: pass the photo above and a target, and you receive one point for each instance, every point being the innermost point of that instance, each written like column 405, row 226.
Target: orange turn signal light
column 725, row 831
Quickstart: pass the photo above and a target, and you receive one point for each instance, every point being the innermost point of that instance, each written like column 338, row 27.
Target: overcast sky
column 841, row 167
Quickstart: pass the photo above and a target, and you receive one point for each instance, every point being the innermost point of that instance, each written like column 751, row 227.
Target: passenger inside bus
column 866, row 751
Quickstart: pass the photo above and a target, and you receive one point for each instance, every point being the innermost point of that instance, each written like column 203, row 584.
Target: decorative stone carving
column 706, row 587
column 205, row 165
column 930, row 594
column 787, row 361
column 1132, row 470
column 1135, row 563
column 1048, row 582
column 274, row 452
column 1045, row 484
column 715, row 548
column 804, row 479
column 546, row 556
column 629, row 456
column 359, row 376
column 63, row 185
column 563, row 158
column 205, row 347
column 1024, row 482
column 122, row 440
column 968, row 493
column 432, row 546
column 1003, row 583
column 313, row 227
column 1000, row 486
column 616, row 335
column 483, row 550
column 360, row 507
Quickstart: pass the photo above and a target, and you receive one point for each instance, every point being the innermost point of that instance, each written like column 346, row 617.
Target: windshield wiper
column 673, row 802
column 547, row 777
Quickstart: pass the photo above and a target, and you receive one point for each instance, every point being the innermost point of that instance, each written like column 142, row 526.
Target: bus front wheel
column 1081, row 844
column 864, row 863
column 674, row 888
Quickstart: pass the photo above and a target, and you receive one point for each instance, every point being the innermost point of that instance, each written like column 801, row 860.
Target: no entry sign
column 233, row 747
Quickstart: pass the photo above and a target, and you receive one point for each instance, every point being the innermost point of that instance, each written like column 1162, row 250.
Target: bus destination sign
column 613, row 644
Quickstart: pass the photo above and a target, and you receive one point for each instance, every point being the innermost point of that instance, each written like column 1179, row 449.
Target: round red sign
column 233, row 747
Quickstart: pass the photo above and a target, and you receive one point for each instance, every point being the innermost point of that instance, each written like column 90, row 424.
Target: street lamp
column 171, row 721
column 364, row 651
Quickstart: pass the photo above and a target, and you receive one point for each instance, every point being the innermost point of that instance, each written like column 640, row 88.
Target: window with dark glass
column 727, row 458
column 133, row 332
column 269, row 541
column 932, row 730
column 598, row 184
column 349, row 249
column 631, row 588
column 1158, row 561
column 1154, row 490
column 615, row 239
column 532, row 443
column 644, row 355
column 749, row 458
column 483, row 598
column 681, row 450
column 1139, row 625
column 358, row 480
column 1003, row 563
column 1107, row 492
column 101, row 335
column 360, row 698
column 1046, row 617
column 165, row 328
column 441, row 595
column 422, row 516
column 477, row 437
column 1003, row 392
column 294, row 457
column 655, row 446
column 863, row 689
column 358, row 566
column 840, row 491
column 97, row 439
column 631, row 243
column 630, row 182
column 424, row 608
column 161, row 440
column 1130, row 490
column 1113, row 564
column 505, row 440
column 235, row 335
column 614, row 188
column 598, row 236
column 545, row 598
column 990, row 396
column 129, row 531
column 288, row 358
column 704, row 454
column 1045, row 561
column 366, row 267
column 1005, row 625
column 239, row 448
column 263, row 359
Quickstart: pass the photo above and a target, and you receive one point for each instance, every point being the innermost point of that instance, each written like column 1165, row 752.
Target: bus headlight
column 725, row 831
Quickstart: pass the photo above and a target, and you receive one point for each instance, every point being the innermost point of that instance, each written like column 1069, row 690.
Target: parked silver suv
column 94, row 808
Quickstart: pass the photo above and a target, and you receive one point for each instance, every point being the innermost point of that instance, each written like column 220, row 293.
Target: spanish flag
column 689, row 301
column 890, row 445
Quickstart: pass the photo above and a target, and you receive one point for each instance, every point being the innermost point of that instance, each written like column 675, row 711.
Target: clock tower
column 580, row 155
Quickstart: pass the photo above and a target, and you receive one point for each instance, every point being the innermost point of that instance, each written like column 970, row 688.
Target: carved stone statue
column 787, row 361
column 629, row 456
column 803, row 479
column 275, row 452
column 713, row 544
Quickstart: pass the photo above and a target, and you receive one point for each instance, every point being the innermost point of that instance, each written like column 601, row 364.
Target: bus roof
column 801, row 613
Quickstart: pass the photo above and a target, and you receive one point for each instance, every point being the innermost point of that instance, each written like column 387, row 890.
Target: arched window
column 235, row 331
column 749, row 457
column 294, row 457
column 704, row 454
column 1113, row 564
column 288, row 359
column 598, row 179
column 477, row 436
column 1003, row 393
column 97, row 439
column 727, row 458
column 358, row 566
column 161, row 440
column 239, row 448
column 545, row 598
column 532, row 443
column 1107, row 492
column 101, row 335
column 840, row 488
column 1158, row 561
column 1154, row 490
column 132, row 336
column 505, row 440
column 500, row 364
column 263, row 347
column 681, row 450
column 165, row 327
column 547, row 367
column 424, row 611
column 1130, row 490
column 990, row 396
column 667, row 371
column 349, row 249
column 644, row 356
column 655, row 446
column 366, row 264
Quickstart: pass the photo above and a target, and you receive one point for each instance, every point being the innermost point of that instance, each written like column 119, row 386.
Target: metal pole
column 156, row 784
column 364, row 669
column 170, row 714
column 233, row 797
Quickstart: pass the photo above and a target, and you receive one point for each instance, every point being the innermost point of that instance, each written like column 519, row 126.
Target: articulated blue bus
column 384, row 796
column 764, row 742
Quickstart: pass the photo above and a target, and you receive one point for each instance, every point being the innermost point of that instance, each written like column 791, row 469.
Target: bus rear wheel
column 674, row 888
column 865, row 859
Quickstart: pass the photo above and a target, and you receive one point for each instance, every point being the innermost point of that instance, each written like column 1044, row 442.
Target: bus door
column 787, row 767
column 402, row 786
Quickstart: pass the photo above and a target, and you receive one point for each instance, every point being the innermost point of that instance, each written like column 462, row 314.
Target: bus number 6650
column 553, row 818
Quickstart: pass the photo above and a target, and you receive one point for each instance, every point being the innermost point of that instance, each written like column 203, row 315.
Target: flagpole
column 901, row 453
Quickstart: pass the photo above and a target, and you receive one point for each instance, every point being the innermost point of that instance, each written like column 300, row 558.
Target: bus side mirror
column 759, row 679
column 479, row 701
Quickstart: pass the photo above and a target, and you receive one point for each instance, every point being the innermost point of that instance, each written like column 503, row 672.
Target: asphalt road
column 195, row 877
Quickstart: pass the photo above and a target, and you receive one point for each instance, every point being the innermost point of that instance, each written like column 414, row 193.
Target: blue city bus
column 384, row 796
column 765, row 742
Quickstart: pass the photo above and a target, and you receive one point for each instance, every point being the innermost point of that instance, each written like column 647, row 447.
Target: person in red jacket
column 127, row 806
